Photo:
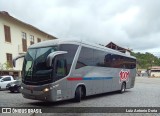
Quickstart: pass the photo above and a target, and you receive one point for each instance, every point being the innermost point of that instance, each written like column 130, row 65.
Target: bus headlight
column 46, row 90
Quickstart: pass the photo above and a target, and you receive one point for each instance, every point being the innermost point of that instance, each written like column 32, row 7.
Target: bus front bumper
column 38, row 95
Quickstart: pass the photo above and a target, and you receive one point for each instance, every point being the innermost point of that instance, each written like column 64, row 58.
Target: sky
column 133, row 24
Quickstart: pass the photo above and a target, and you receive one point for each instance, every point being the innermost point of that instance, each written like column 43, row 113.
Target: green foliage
column 5, row 66
column 146, row 60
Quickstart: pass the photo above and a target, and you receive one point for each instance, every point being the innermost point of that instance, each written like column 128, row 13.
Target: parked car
column 8, row 85
column 14, row 86
column 4, row 80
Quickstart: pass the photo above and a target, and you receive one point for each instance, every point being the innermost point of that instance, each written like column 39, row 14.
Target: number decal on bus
column 124, row 75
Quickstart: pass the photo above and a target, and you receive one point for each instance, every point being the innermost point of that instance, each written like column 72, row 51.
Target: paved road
column 146, row 93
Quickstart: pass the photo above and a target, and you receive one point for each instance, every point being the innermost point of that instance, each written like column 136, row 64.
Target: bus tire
column 83, row 91
column 123, row 87
column 11, row 90
column 78, row 94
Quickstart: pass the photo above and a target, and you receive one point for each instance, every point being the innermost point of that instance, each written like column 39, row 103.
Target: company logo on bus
column 124, row 75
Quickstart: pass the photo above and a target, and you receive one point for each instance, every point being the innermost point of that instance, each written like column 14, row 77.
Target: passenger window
column 61, row 68
column 108, row 60
column 85, row 58
column 93, row 57
column 99, row 58
column 71, row 49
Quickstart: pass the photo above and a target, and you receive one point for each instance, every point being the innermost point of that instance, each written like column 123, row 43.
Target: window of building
column 31, row 39
column 24, row 41
column 9, row 59
column 24, row 35
column 38, row 40
column 7, row 33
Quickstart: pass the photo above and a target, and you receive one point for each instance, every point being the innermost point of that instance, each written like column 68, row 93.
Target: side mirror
column 52, row 55
column 16, row 58
column 2, row 80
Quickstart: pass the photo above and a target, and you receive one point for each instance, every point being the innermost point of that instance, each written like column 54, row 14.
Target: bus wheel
column 83, row 92
column 123, row 87
column 78, row 94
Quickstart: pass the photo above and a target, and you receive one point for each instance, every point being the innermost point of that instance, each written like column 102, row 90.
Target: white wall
column 155, row 74
column 128, row 53
column 16, row 30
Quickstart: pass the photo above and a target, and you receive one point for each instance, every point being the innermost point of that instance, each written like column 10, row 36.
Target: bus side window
column 108, row 60
column 61, row 68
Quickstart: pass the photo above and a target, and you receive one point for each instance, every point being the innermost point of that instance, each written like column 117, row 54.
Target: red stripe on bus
column 74, row 78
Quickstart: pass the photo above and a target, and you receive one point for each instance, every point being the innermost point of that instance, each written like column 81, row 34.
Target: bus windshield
column 34, row 67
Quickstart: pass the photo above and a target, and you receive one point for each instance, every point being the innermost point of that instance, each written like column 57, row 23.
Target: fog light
column 46, row 90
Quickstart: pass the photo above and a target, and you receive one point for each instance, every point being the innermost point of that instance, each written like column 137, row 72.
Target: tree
column 5, row 66
column 146, row 60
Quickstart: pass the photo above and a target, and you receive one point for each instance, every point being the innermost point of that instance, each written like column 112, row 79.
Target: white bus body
column 59, row 70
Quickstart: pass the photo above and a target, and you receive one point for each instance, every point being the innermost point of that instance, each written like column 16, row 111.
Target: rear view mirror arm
column 52, row 55
column 16, row 58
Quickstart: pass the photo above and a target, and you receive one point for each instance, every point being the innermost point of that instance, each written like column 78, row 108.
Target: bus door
column 60, row 73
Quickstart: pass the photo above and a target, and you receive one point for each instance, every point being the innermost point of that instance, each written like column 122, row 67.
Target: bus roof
column 77, row 42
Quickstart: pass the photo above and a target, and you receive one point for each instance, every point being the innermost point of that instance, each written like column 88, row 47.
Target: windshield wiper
column 29, row 70
column 42, row 72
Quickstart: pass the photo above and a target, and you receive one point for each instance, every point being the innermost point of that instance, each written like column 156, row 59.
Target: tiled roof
column 118, row 47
